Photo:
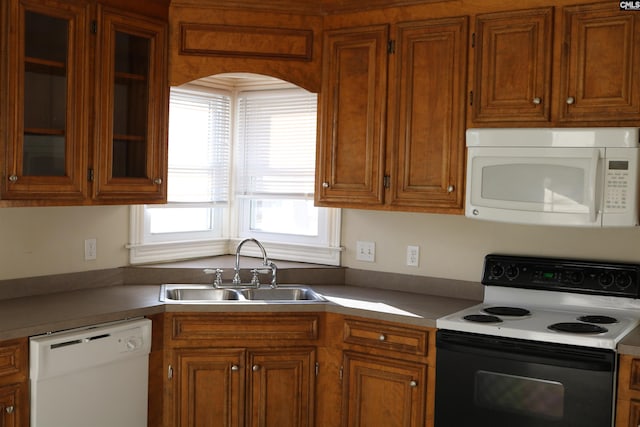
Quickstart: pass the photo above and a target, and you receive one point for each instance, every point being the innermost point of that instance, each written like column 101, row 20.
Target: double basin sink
column 202, row 294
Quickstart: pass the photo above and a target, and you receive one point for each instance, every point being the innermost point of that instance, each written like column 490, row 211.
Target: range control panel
column 580, row 276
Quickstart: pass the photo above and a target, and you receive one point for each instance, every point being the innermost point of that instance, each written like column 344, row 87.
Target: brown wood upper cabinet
column 391, row 133
column 581, row 67
column 86, row 104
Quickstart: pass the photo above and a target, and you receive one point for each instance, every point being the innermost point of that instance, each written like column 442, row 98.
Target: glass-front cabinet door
column 48, row 108
column 132, row 94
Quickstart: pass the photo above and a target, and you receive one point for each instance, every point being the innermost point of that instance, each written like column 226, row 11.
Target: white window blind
column 199, row 148
column 277, row 141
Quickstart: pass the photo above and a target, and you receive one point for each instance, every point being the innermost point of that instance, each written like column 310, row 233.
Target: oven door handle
column 527, row 351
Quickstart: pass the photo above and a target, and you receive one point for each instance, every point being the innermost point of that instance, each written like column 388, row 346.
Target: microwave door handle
column 593, row 181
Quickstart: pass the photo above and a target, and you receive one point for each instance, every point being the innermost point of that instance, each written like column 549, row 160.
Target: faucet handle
column 255, row 281
column 217, row 282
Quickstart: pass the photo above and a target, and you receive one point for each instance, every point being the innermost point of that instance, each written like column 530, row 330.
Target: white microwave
column 554, row 176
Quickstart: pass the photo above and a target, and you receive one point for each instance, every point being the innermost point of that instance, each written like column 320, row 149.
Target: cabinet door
column 280, row 388
column 634, row 414
column 600, row 64
column 48, row 101
column 131, row 143
column 13, row 406
column 350, row 159
column 382, row 392
column 427, row 106
column 513, row 66
column 209, row 388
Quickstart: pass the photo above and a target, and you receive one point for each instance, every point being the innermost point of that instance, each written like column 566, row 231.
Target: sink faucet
column 265, row 262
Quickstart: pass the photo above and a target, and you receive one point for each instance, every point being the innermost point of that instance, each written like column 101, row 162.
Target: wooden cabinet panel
column 86, row 104
column 513, row 66
column 14, row 398
column 132, row 105
column 47, row 116
column 386, row 337
column 279, row 387
column 210, row 390
column 426, row 146
column 350, row 164
column 600, row 64
column 381, row 392
column 11, row 402
column 250, row 327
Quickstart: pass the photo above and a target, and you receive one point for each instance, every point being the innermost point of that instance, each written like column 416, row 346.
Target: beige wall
column 454, row 247
column 42, row 241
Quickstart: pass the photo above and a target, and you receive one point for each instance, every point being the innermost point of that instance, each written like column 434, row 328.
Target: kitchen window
column 241, row 164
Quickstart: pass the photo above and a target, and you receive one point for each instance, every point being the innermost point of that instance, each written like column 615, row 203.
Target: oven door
column 485, row 381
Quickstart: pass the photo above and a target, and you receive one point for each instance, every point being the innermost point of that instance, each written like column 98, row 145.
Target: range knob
column 496, row 271
column 623, row 280
column 512, row 271
column 576, row 277
column 605, row 280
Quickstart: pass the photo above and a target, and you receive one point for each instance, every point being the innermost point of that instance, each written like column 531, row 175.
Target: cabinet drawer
column 268, row 327
column 13, row 358
column 387, row 337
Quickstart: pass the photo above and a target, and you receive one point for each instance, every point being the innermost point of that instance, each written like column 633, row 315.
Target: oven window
column 523, row 395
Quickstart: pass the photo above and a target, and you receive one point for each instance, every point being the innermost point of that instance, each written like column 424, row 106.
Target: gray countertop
column 34, row 315
column 39, row 314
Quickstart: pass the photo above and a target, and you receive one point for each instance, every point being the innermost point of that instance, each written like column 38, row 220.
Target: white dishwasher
column 95, row 376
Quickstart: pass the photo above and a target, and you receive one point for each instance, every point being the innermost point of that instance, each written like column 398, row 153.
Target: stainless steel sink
column 197, row 293
column 203, row 294
column 283, row 293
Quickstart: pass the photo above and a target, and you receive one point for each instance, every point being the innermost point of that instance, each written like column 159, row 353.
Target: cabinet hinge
column 341, row 372
column 473, row 40
column 170, row 372
column 90, row 176
column 317, row 368
column 94, row 26
column 386, row 181
column 471, row 98
column 391, row 46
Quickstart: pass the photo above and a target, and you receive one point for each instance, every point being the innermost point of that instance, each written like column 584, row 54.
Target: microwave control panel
column 616, row 186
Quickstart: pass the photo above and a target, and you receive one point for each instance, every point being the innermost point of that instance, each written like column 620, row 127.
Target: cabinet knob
column 13, row 178
column 235, row 368
column 571, row 100
column 382, row 337
column 9, row 409
column 325, row 185
column 157, row 181
column 255, row 368
column 450, row 189
column 413, row 383
column 537, row 100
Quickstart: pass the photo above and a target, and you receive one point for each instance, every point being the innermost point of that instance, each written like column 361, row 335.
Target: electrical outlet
column 90, row 249
column 366, row 251
column 413, row 256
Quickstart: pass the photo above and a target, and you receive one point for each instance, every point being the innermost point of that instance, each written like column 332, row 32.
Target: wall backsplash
column 45, row 241
column 454, row 247
column 50, row 240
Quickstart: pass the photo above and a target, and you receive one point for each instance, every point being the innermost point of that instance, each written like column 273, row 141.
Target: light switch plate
column 366, row 251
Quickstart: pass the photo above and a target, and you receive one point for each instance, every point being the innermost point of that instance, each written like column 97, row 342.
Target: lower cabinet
column 14, row 399
column 292, row 370
column 628, row 404
column 387, row 374
column 11, row 403
column 244, row 387
column 383, row 392
column 240, row 369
